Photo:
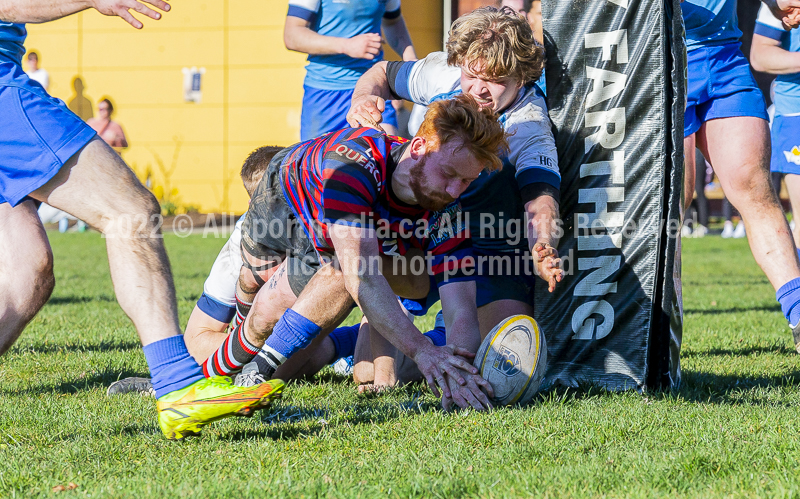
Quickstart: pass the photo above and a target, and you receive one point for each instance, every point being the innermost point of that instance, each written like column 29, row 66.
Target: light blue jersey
column 710, row 23
column 787, row 87
column 342, row 19
column 12, row 40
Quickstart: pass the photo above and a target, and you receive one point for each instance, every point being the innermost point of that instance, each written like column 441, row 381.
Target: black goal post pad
column 616, row 95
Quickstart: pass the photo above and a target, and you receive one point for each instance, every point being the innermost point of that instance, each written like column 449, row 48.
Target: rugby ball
column 512, row 358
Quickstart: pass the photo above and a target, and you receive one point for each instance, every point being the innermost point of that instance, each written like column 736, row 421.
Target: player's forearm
column 379, row 304
column 461, row 315
column 542, row 221
column 40, row 11
column 307, row 41
column 373, row 83
column 398, row 37
column 773, row 59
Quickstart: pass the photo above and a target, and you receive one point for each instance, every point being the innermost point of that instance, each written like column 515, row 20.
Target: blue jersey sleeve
column 769, row 26
column 306, row 10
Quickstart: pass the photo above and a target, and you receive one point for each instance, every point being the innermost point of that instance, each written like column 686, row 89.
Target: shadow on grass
column 733, row 310
column 72, row 300
column 103, row 346
column 739, row 352
column 696, row 387
column 292, row 422
column 88, row 382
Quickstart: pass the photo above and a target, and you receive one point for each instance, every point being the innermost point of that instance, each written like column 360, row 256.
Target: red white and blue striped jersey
column 344, row 177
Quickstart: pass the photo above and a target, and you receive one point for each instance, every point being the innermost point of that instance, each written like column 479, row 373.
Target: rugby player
column 777, row 51
column 726, row 119
column 352, row 195
column 209, row 322
column 47, row 153
column 492, row 56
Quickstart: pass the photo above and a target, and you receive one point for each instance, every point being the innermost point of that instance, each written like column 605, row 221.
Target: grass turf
column 731, row 430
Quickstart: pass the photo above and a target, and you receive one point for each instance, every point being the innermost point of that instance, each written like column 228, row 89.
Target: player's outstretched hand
column 366, row 111
column 438, row 363
column 122, row 8
column 474, row 394
column 548, row 264
column 366, row 46
column 788, row 11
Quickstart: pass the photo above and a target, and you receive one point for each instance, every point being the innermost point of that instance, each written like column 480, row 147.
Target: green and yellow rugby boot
column 184, row 412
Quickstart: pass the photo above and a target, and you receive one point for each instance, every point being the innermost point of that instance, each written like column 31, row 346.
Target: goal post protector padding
column 616, row 72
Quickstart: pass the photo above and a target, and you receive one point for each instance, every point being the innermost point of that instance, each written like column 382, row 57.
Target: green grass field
column 731, row 430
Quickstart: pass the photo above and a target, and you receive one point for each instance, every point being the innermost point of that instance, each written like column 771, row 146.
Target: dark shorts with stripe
column 272, row 232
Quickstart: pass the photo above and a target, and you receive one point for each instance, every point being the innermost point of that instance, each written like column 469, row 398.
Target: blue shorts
column 38, row 134
column 326, row 111
column 786, row 145
column 720, row 86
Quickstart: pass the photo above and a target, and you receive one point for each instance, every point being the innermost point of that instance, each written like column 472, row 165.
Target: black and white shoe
column 249, row 376
column 142, row 386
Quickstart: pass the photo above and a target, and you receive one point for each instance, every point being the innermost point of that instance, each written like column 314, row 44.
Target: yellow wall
column 251, row 90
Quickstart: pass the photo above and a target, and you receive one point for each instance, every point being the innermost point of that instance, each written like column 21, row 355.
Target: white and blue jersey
column 218, row 300
column 787, row 86
column 786, row 124
column 342, row 19
column 38, row 133
column 12, row 41
column 710, row 22
column 532, row 159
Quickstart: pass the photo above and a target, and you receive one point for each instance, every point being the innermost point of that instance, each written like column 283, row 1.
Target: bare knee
column 138, row 216
column 262, row 317
column 40, row 274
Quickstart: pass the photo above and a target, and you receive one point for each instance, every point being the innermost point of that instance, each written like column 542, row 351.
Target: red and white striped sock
column 232, row 355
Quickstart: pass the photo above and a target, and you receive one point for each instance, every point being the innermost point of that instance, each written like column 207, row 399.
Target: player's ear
column 417, row 147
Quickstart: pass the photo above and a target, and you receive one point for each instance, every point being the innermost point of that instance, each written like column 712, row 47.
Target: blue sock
column 344, row 341
column 798, row 252
column 171, row 366
column 293, row 332
column 789, row 298
column 438, row 336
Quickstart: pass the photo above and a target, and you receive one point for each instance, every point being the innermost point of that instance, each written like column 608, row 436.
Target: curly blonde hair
column 462, row 118
column 495, row 43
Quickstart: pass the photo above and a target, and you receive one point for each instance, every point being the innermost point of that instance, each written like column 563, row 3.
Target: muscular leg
column 492, row 313
column 26, row 270
column 793, row 186
column 96, row 186
column 739, row 150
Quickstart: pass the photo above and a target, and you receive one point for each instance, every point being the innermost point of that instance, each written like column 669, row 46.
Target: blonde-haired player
column 492, row 56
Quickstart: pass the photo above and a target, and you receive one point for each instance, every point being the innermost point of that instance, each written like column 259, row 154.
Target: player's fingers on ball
column 462, row 365
column 144, row 9
column 463, row 352
column 455, row 373
column 485, row 386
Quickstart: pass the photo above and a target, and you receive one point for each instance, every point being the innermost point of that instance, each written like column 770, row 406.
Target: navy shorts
column 326, row 111
column 38, row 134
column 499, row 276
column 720, row 86
column 786, row 145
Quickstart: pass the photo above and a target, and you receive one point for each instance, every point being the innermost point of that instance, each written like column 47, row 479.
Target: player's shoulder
column 358, row 150
column 529, row 110
column 432, row 76
column 765, row 17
